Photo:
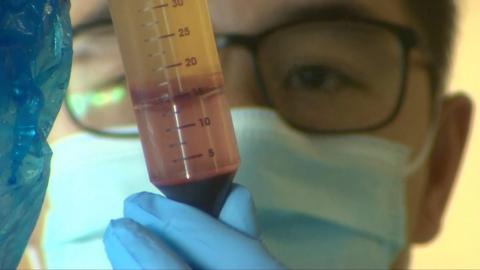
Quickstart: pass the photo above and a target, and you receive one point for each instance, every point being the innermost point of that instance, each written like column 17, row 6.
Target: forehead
column 251, row 16
column 83, row 10
column 247, row 16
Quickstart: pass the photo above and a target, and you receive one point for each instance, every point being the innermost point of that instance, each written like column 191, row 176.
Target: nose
column 241, row 84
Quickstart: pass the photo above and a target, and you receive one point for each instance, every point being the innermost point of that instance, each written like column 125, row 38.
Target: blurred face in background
column 372, row 59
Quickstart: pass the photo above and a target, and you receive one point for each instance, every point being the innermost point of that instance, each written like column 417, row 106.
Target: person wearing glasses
column 349, row 143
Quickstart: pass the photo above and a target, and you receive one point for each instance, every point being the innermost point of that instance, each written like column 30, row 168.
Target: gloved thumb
column 239, row 212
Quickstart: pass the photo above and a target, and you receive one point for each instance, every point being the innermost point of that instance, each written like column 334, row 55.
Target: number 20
column 192, row 61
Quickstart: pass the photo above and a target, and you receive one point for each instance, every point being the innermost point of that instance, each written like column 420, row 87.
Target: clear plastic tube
column 176, row 83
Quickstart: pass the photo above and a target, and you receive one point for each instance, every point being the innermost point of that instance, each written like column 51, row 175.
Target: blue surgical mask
column 332, row 202
column 91, row 177
column 324, row 202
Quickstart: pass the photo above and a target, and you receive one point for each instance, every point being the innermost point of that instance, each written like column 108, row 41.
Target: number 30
column 177, row 3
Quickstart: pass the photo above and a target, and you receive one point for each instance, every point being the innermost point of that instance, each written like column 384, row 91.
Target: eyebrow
column 102, row 13
column 332, row 10
column 347, row 9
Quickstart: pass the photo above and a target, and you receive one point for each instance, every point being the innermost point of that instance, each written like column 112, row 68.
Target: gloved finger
column 201, row 240
column 239, row 211
column 130, row 246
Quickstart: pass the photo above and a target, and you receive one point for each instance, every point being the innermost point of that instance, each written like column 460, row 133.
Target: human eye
column 320, row 79
column 94, row 42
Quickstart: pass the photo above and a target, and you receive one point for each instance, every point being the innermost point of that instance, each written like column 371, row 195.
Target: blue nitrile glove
column 158, row 233
column 35, row 61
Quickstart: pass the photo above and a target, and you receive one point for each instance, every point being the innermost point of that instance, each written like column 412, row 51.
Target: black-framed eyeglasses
column 323, row 75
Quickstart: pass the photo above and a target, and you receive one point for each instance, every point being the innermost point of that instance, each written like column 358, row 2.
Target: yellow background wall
column 458, row 245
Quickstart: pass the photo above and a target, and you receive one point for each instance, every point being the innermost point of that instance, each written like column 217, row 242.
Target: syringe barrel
column 174, row 74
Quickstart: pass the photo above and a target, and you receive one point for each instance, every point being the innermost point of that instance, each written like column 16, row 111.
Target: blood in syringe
column 188, row 139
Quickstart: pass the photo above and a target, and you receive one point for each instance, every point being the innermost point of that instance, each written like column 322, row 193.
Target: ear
column 444, row 164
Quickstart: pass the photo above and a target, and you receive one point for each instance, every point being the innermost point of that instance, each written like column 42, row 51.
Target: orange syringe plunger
column 176, row 83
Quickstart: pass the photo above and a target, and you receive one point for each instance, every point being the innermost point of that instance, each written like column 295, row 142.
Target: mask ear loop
column 427, row 148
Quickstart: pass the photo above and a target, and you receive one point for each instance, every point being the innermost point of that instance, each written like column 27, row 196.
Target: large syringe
column 176, row 82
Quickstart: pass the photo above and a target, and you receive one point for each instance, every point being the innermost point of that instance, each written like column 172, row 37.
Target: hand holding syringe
column 176, row 83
